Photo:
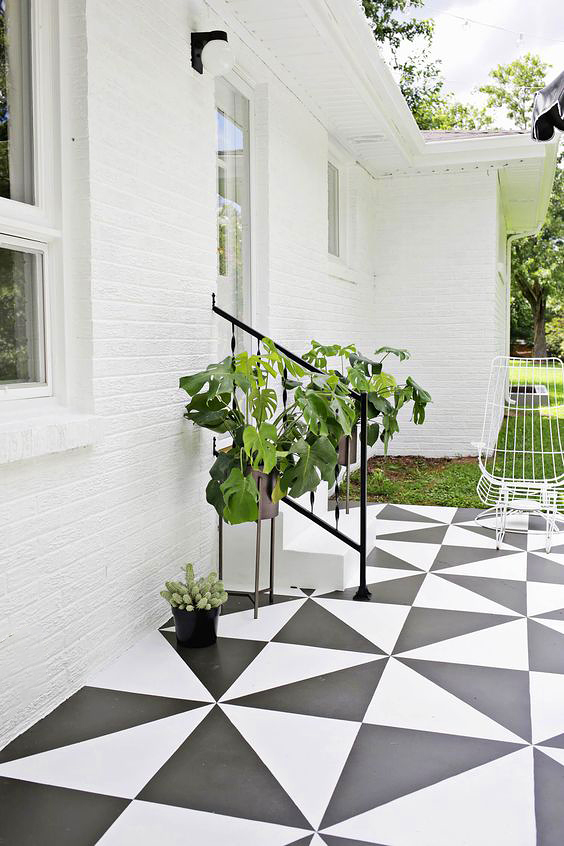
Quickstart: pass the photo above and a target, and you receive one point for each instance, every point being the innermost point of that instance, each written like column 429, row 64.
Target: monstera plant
column 385, row 397
column 295, row 442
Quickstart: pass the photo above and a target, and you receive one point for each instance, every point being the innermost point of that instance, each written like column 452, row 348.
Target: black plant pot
column 196, row 628
column 353, row 439
column 267, row 508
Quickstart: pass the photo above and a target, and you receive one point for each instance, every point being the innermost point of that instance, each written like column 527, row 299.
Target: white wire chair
column 520, row 455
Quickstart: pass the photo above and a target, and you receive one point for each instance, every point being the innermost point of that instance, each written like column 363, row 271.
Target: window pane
column 16, row 150
column 22, row 347
column 333, row 208
column 232, row 198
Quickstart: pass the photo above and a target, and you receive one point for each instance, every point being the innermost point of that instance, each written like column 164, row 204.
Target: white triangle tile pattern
column 348, row 745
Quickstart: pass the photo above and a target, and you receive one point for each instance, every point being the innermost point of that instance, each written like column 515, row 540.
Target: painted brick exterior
column 87, row 536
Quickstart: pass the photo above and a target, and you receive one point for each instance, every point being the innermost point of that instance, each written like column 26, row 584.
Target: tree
column 421, row 80
column 537, row 268
column 513, row 87
column 392, row 31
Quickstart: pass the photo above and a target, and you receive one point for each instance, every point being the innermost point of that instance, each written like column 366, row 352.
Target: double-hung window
column 333, row 206
column 29, row 209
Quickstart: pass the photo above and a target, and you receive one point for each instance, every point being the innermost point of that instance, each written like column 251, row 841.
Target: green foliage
column 513, row 87
column 316, row 461
column 394, row 31
column 537, row 265
column 236, row 396
column 240, row 498
column 555, row 336
column 195, row 594
column 385, row 397
column 423, row 86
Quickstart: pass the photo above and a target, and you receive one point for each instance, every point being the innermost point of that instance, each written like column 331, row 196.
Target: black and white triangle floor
column 431, row 716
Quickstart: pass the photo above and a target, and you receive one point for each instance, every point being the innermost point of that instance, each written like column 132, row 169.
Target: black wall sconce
column 212, row 52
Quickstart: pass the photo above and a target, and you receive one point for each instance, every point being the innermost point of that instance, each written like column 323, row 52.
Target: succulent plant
column 195, row 594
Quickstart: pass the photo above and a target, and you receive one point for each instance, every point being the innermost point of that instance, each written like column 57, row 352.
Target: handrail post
column 363, row 593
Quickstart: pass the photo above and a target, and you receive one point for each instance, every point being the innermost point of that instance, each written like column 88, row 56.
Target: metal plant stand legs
column 255, row 596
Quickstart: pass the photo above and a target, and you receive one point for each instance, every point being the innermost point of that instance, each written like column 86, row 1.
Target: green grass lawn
column 443, row 481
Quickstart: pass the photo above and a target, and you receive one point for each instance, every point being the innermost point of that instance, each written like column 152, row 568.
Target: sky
column 469, row 44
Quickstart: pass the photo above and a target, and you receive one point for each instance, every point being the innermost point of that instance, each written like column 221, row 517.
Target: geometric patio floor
column 431, row 716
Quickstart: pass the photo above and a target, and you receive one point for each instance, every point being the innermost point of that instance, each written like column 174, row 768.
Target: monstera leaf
column 221, row 378
column 212, row 412
column 240, row 496
column 260, row 446
column 315, row 461
column 403, row 355
column 219, row 472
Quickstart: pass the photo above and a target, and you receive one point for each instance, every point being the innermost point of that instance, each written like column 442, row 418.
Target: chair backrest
column 523, row 432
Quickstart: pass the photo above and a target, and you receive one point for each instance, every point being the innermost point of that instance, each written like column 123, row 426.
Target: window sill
column 338, row 269
column 43, row 433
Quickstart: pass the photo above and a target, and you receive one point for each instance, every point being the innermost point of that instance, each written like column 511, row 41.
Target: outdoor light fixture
column 211, row 52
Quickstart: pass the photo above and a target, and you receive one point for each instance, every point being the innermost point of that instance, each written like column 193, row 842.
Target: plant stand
column 253, row 597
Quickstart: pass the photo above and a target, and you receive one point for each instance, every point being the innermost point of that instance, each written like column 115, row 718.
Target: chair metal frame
column 522, row 432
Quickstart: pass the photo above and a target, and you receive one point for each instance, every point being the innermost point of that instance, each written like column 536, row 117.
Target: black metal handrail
column 358, row 545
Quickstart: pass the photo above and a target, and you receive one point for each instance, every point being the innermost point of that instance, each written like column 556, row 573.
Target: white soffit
column 326, row 54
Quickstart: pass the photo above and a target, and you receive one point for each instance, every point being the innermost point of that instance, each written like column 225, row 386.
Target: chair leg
column 549, row 532
column 501, row 520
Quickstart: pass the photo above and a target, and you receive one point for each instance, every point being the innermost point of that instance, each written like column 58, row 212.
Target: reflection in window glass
column 16, row 151
column 22, row 347
column 232, row 197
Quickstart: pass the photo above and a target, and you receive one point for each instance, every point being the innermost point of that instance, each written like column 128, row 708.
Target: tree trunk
column 539, row 318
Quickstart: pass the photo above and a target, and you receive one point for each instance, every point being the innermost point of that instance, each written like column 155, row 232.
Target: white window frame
column 336, row 224
column 37, row 226
column 340, row 160
column 244, row 85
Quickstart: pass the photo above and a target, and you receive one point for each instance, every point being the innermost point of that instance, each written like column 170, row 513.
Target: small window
column 22, row 318
column 333, row 208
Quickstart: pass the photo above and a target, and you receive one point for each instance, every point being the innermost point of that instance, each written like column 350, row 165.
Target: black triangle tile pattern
column 546, row 648
column 453, row 556
column 549, row 808
column 430, row 625
column 386, row 763
column 542, row 570
column 312, row 625
column 34, row 814
column 392, row 512
column 216, row 770
column 342, row 695
column 218, row 666
column 501, row 694
column 93, row 712
column 515, row 539
column 381, row 558
column 226, row 777
column 434, row 534
column 400, row 591
column 555, row 742
column 331, row 840
column 506, row 592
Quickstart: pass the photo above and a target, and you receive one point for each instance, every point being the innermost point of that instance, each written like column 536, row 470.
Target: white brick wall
column 436, row 295
column 88, row 536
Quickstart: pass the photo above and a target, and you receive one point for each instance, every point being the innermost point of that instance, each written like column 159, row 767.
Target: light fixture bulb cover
column 218, row 57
